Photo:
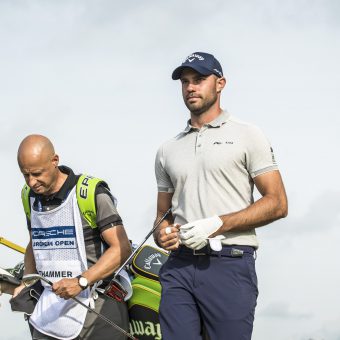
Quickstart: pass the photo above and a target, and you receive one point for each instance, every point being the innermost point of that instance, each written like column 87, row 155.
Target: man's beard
column 199, row 110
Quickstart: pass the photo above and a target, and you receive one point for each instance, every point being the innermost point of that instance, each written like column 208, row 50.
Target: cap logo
column 193, row 56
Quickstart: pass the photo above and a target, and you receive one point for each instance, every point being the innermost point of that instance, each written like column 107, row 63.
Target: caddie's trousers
column 214, row 289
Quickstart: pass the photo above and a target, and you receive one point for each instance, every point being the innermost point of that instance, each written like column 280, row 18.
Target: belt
column 229, row 251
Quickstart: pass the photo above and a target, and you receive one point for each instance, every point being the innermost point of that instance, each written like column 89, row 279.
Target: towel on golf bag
column 144, row 303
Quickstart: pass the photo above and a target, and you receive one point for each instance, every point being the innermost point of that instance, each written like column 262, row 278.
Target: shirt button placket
column 199, row 141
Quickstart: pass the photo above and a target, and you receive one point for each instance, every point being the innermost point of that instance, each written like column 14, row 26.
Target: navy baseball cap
column 203, row 63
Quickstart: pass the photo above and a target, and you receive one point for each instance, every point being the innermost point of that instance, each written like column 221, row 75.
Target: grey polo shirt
column 210, row 171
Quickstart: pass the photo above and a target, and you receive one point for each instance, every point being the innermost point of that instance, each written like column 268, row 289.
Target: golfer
column 207, row 175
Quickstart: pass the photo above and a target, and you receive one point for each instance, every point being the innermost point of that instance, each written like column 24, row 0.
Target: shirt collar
column 221, row 119
column 65, row 189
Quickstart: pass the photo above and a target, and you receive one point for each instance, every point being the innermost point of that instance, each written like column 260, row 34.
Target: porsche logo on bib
column 54, row 237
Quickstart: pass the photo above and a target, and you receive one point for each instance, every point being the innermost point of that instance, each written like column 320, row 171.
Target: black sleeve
column 107, row 214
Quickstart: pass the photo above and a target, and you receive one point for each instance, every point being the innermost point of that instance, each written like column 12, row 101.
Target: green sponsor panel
column 146, row 293
column 144, row 303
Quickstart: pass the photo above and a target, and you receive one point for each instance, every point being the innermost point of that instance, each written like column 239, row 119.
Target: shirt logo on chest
column 223, row 142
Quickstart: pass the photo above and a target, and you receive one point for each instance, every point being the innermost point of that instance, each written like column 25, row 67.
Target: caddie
column 77, row 253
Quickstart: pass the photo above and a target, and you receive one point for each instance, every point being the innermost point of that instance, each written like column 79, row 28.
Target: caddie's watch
column 82, row 281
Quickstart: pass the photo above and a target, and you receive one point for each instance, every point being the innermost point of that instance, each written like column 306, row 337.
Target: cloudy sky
column 94, row 76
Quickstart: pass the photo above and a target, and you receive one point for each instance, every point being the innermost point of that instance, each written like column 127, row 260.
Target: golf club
column 114, row 289
column 30, row 279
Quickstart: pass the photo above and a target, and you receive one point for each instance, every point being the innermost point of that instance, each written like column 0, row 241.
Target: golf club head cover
column 148, row 261
column 18, row 270
column 195, row 234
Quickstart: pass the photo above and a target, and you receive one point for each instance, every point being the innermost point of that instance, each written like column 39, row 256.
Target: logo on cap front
column 193, row 56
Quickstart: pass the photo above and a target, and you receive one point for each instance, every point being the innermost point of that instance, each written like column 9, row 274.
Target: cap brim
column 176, row 74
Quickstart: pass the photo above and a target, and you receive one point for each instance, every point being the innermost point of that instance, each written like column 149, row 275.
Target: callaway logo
column 149, row 261
column 192, row 57
column 147, row 329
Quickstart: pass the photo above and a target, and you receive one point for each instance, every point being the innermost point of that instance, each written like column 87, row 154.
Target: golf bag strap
column 25, row 197
column 86, row 198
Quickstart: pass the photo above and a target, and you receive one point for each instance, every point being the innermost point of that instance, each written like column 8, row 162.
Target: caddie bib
column 59, row 252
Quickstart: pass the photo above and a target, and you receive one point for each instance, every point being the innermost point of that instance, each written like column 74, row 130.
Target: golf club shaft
column 140, row 245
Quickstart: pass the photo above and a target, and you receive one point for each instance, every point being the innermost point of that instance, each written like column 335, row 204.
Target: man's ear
column 220, row 83
column 55, row 160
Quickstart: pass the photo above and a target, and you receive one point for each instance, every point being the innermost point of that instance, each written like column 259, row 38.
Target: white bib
column 59, row 252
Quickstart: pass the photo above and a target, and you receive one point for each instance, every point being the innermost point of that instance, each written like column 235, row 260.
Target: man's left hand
column 67, row 288
column 195, row 234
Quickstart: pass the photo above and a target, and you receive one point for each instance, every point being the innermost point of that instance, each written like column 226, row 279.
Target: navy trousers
column 216, row 291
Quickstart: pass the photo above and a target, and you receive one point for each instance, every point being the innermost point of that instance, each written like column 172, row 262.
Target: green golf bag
column 144, row 303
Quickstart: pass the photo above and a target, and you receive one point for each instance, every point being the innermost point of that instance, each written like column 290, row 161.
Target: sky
column 95, row 77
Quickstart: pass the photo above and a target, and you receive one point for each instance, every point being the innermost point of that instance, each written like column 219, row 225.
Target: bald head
column 39, row 164
column 35, row 148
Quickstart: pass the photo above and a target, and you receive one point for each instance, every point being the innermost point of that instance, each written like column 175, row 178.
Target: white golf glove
column 195, row 234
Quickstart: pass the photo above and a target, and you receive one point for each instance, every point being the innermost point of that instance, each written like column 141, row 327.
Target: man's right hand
column 168, row 237
column 18, row 289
